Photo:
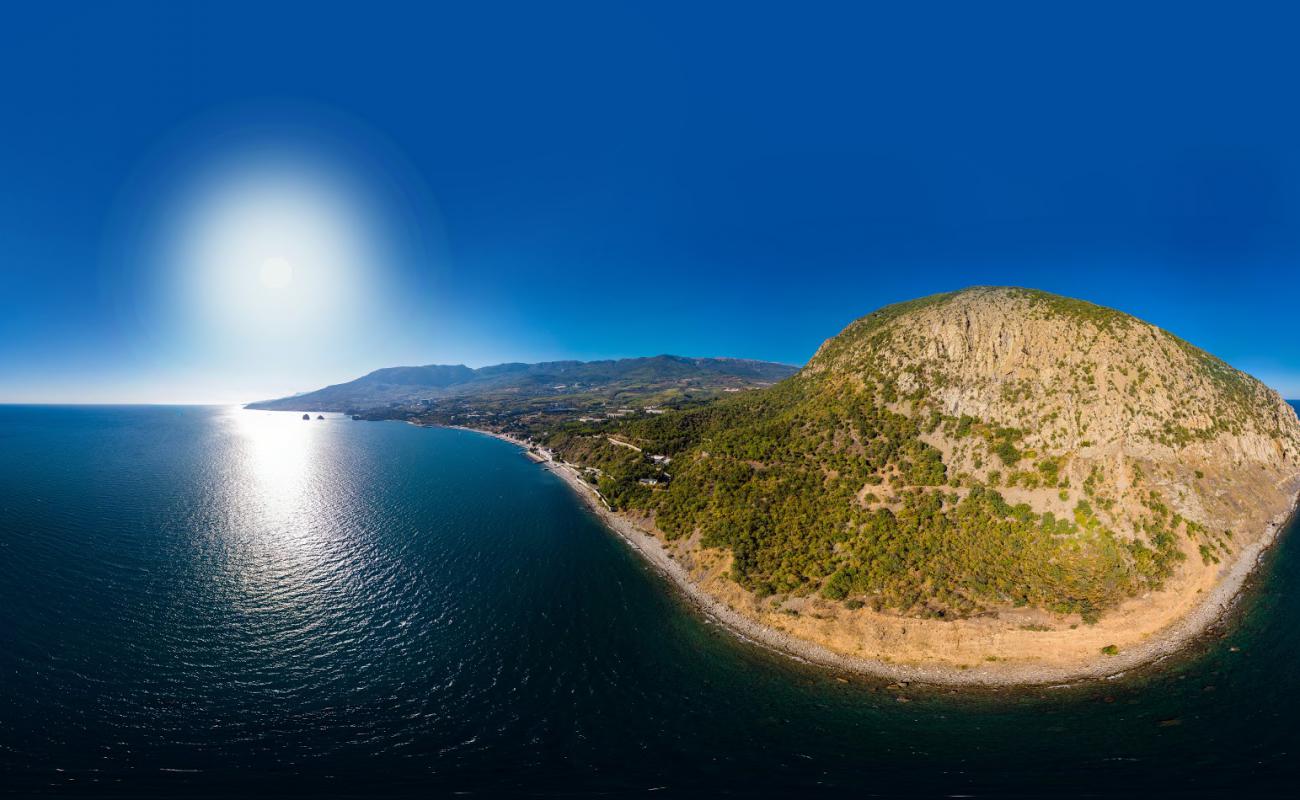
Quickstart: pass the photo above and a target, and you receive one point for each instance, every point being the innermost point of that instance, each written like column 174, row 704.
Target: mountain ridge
column 394, row 386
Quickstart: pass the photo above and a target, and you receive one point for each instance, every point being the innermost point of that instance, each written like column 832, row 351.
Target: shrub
column 1007, row 452
column 837, row 586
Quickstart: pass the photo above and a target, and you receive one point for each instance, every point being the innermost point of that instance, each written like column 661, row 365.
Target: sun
column 272, row 249
column 276, row 273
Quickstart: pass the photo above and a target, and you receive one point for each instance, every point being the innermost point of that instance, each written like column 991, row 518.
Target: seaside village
column 530, row 419
column 590, row 476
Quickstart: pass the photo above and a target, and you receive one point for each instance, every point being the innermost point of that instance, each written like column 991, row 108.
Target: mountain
column 990, row 482
column 629, row 380
column 992, row 453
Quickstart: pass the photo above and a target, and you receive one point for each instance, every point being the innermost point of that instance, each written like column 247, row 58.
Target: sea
column 212, row 601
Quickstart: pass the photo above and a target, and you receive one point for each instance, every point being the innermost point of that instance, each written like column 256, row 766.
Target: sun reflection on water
column 277, row 453
column 282, row 540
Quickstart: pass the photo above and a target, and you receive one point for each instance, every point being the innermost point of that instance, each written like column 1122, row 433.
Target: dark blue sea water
column 218, row 601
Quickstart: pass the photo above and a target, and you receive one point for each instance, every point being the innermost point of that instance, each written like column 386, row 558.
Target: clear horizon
column 228, row 401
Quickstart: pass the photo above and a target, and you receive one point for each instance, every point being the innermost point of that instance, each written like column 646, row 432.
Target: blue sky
column 477, row 183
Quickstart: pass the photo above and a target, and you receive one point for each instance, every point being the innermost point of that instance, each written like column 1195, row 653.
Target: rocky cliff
column 1116, row 406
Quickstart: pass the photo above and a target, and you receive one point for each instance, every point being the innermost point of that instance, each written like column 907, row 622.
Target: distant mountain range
column 662, row 378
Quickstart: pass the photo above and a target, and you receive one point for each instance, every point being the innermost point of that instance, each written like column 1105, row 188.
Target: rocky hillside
column 988, row 448
column 1076, row 377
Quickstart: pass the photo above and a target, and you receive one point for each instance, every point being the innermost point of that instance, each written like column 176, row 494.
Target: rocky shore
column 1166, row 642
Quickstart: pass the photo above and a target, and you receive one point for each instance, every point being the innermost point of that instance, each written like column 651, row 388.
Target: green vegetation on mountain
column 949, row 455
column 460, row 395
column 775, row 477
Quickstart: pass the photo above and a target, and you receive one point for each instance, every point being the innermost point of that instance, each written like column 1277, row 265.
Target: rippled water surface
column 213, row 600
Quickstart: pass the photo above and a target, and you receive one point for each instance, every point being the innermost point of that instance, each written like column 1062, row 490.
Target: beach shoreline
column 1165, row 643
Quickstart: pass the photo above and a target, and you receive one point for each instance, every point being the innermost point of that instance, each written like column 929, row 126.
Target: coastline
column 1159, row 646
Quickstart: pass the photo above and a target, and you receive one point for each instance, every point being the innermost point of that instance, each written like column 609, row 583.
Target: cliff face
column 1115, row 404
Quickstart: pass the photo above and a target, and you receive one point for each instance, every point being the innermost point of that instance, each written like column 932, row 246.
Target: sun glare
column 277, row 273
column 273, row 251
